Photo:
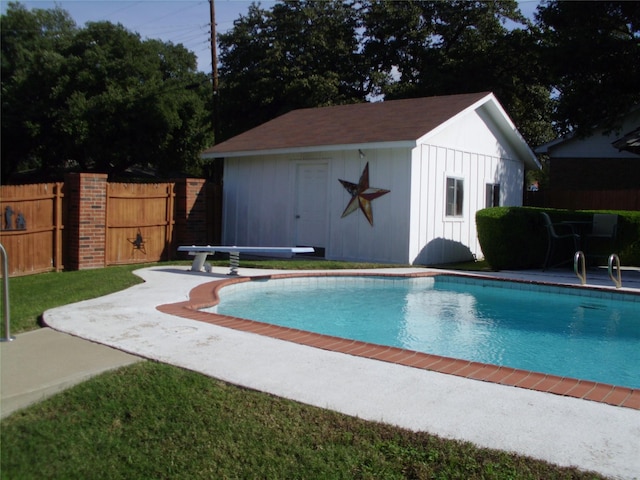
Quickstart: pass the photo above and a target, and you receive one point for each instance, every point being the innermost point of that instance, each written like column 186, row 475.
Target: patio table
column 580, row 227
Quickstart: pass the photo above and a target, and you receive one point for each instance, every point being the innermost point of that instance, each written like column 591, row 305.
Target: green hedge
column 515, row 237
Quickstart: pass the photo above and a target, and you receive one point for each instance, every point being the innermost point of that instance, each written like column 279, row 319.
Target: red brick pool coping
column 206, row 295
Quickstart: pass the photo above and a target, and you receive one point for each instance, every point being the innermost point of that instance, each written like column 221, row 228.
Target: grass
column 151, row 420
column 474, row 266
column 31, row 295
column 304, row 264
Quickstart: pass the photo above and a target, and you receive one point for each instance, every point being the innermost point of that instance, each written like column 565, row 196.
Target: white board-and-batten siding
column 352, row 237
column 260, row 203
column 436, row 237
column 410, row 225
column 471, row 150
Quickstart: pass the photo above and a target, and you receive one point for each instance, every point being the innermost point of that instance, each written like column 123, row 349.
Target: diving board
column 201, row 253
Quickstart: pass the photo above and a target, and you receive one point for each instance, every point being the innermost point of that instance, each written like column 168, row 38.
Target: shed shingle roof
column 390, row 121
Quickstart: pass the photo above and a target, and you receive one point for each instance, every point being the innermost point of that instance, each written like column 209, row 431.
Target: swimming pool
column 566, row 332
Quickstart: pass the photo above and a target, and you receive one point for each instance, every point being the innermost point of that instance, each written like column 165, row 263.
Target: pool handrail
column 617, row 279
column 5, row 289
column 579, row 267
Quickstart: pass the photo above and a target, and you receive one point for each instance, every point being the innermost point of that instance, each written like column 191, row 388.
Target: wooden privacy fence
column 87, row 222
column 32, row 226
column 585, row 199
column 140, row 221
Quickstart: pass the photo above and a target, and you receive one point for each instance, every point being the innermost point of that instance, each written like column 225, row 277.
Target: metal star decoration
column 362, row 195
column 138, row 242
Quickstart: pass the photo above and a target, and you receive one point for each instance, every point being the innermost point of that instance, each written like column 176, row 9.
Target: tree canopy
column 545, row 72
column 307, row 53
column 298, row 54
column 459, row 46
column 101, row 98
column 97, row 97
column 592, row 51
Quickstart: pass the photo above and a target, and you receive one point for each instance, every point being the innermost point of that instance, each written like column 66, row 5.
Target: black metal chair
column 604, row 232
column 555, row 239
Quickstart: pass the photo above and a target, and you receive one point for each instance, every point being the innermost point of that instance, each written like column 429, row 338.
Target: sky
column 185, row 22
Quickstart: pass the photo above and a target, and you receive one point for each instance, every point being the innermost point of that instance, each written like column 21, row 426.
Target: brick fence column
column 192, row 217
column 86, row 197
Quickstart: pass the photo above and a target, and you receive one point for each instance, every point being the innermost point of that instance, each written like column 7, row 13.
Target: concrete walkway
column 43, row 362
column 561, row 430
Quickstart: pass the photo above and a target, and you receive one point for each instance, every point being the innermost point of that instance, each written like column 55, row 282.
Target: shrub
column 515, row 237
column 629, row 237
column 511, row 237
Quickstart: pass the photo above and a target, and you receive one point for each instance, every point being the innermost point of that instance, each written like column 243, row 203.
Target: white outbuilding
column 393, row 182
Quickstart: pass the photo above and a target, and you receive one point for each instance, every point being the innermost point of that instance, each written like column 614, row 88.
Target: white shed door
column 311, row 204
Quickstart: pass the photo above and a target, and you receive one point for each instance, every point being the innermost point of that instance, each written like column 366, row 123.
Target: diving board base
column 201, row 253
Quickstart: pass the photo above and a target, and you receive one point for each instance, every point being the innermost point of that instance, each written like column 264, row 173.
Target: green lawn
column 31, row 295
column 151, row 420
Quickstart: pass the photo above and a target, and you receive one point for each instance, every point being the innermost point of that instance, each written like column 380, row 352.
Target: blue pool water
column 586, row 336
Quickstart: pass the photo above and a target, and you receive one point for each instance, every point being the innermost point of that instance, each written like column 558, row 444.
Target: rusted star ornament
column 362, row 195
column 138, row 242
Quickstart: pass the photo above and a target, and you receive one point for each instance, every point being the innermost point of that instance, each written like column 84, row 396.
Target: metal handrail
column 617, row 280
column 579, row 267
column 5, row 289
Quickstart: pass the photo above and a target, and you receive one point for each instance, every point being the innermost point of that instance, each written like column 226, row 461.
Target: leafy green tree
column 592, row 52
column 142, row 98
column 439, row 48
column 514, row 72
column 298, row 54
column 31, row 43
column 101, row 99
column 429, row 43
column 308, row 54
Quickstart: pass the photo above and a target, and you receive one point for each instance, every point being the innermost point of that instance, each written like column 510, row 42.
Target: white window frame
column 458, row 190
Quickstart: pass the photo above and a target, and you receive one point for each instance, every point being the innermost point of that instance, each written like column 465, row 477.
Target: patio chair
column 554, row 239
column 604, row 232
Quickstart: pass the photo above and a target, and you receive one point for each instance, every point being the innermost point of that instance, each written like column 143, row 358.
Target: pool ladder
column 579, row 267
column 617, row 279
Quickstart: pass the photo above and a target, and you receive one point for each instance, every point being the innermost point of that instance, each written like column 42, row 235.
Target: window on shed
column 492, row 195
column 455, row 195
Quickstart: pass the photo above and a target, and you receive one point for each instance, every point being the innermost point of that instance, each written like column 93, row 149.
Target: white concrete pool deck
column 562, row 430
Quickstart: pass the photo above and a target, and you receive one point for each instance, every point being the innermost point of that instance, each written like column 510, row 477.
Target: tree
column 592, row 51
column 101, row 98
column 428, row 42
column 438, row 48
column 299, row 54
column 31, row 43
column 309, row 54
column 142, row 98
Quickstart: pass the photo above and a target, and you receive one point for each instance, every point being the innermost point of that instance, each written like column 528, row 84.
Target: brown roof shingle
column 391, row 121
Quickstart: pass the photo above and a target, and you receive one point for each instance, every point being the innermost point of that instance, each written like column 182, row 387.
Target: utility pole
column 214, row 74
column 217, row 164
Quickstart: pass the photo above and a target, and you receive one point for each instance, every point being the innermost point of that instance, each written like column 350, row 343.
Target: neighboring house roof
column 357, row 125
column 630, row 142
column 545, row 148
column 600, row 142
